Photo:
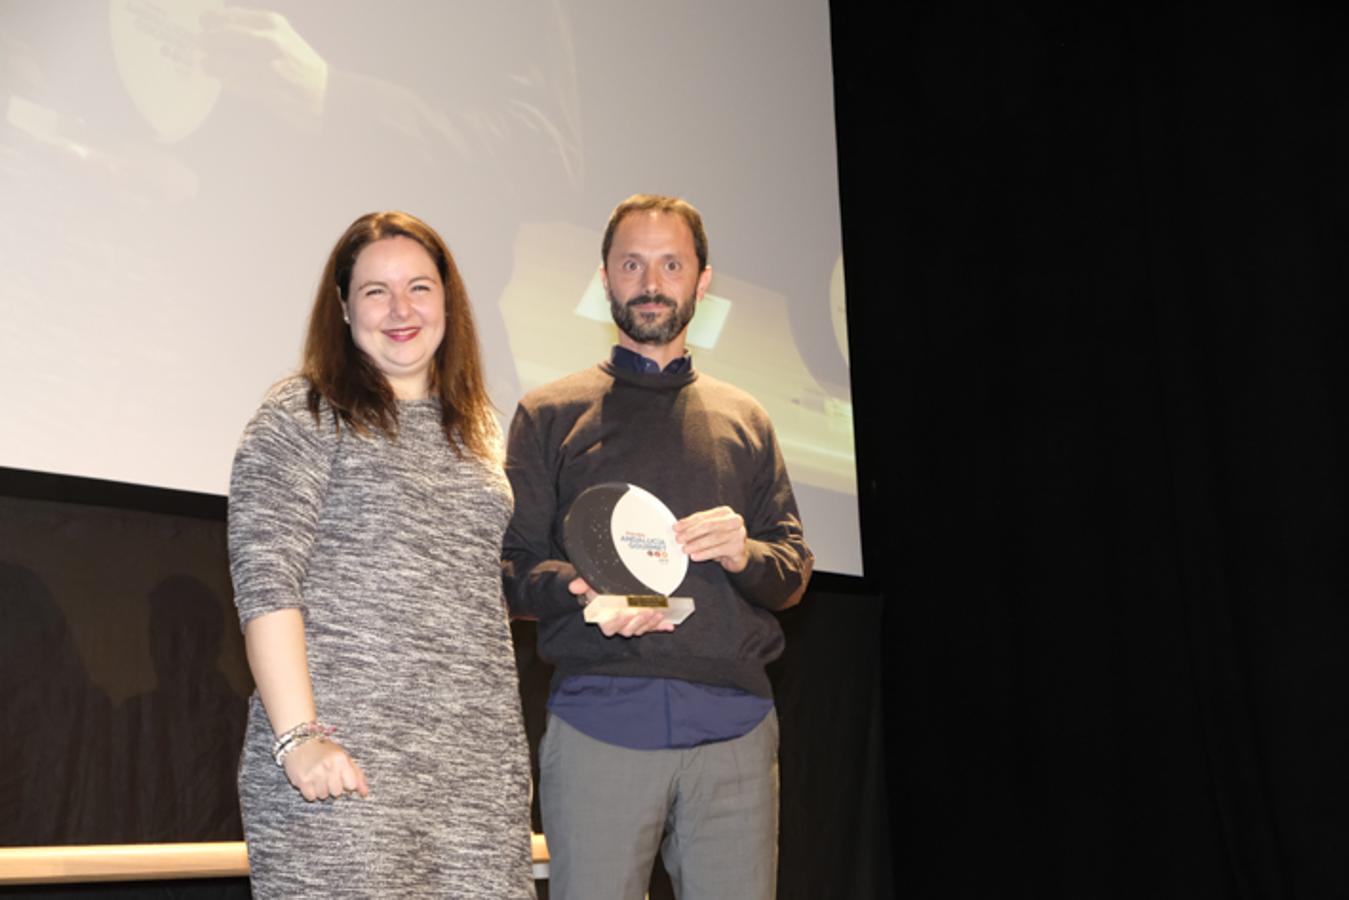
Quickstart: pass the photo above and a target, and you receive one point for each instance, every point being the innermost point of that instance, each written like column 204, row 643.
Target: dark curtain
column 123, row 689
column 1095, row 287
column 124, row 681
column 122, row 676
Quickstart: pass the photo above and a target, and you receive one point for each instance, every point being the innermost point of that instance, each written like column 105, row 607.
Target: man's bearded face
column 651, row 318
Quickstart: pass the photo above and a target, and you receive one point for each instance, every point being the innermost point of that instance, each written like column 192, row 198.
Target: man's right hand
column 625, row 623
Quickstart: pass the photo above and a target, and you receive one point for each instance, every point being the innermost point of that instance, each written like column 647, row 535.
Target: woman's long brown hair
column 341, row 373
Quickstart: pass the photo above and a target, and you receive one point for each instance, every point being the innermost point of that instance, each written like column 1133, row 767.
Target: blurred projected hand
column 259, row 56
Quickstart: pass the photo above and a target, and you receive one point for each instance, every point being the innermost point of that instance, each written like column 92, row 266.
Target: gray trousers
column 711, row 811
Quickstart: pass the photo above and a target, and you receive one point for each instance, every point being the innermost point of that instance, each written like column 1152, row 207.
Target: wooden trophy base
column 604, row 606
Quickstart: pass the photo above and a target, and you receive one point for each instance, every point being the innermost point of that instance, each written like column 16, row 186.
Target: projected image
column 159, row 54
column 173, row 172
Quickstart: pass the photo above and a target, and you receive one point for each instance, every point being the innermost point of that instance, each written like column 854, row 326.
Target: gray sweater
column 391, row 549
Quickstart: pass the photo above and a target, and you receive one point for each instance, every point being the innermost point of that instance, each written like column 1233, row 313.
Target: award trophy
column 621, row 540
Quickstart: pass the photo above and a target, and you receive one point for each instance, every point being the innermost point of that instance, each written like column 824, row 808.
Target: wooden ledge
column 148, row 862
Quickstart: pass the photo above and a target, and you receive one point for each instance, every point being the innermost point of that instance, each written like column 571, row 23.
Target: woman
column 367, row 506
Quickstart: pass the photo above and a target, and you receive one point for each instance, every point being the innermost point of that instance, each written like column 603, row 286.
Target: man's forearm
column 537, row 589
column 776, row 575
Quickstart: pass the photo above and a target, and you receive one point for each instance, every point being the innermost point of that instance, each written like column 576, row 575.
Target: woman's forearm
column 319, row 769
column 276, row 655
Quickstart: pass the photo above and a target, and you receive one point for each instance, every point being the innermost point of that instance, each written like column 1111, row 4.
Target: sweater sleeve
column 535, row 582
column 780, row 563
column 277, row 487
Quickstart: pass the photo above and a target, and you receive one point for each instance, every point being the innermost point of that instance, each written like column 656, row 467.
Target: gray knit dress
column 392, row 550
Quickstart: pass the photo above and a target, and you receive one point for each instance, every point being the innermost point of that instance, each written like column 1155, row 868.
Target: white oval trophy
column 621, row 540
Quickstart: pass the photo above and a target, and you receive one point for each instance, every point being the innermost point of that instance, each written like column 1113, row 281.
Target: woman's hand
column 322, row 770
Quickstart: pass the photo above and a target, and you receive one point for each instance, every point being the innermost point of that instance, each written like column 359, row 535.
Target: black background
column 1095, row 280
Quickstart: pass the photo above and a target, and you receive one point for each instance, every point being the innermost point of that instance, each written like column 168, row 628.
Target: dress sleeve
column 534, row 581
column 277, row 487
column 780, row 563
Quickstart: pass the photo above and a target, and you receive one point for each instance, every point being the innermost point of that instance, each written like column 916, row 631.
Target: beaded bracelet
column 297, row 736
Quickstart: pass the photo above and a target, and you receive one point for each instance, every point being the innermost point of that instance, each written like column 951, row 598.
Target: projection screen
column 173, row 174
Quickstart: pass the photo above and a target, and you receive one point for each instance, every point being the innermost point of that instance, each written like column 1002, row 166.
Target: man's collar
column 629, row 361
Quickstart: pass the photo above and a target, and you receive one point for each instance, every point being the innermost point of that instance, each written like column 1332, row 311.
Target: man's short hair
column 658, row 203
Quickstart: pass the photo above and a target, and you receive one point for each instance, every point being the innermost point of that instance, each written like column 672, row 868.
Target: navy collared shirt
column 655, row 713
column 623, row 358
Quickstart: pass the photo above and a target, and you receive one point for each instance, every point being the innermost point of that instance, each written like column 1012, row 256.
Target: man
column 658, row 737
